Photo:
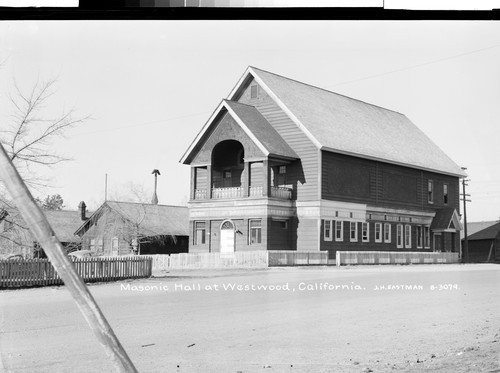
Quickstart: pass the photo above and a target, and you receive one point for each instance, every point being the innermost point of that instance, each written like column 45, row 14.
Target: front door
column 227, row 238
column 437, row 242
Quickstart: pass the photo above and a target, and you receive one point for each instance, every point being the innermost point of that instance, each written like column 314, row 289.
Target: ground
column 441, row 318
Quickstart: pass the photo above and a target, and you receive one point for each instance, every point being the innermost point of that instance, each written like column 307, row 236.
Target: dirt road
column 321, row 319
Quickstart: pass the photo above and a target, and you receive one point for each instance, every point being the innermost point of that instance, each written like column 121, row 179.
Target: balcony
column 237, row 192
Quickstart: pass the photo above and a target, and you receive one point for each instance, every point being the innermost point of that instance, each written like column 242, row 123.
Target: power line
column 416, row 66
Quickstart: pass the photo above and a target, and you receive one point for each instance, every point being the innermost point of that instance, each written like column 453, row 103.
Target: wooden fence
column 393, row 257
column 297, row 258
column 40, row 272
column 239, row 259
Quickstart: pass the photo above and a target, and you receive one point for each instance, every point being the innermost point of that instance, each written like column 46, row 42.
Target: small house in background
column 123, row 228
column 17, row 238
column 483, row 241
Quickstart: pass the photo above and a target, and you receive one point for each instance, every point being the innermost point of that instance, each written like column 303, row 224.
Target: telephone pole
column 465, row 250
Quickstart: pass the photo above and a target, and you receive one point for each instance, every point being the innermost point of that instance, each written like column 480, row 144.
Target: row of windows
column 254, row 232
column 430, row 192
column 98, row 245
column 335, row 229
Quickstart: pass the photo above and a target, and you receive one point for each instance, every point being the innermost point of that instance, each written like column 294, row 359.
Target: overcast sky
column 151, row 85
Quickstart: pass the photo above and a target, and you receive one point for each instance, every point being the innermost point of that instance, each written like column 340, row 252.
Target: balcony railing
column 218, row 193
column 281, row 192
column 237, row 192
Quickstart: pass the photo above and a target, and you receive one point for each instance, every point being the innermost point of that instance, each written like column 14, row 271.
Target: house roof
column 490, row 232
column 64, row 223
column 152, row 220
column 345, row 125
column 262, row 130
column 446, row 218
column 255, row 126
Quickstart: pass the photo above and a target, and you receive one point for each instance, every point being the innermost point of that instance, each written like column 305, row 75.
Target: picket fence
column 391, row 257
column 40, row 272
column 241, row 259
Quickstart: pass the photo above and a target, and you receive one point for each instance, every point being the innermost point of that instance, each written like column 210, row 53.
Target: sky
column 150, row 86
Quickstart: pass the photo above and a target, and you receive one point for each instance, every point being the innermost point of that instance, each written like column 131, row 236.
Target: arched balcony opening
column 227, row 169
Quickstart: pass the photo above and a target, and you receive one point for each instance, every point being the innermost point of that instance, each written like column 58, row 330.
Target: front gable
column 225, row 128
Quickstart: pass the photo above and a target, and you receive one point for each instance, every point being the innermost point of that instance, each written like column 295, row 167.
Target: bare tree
column 31, row 129
column 28, row 137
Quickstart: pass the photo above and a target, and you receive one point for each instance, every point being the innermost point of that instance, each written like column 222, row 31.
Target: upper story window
column 254, row 91
column 445, row 194
column 430, row 191
column 282, row 170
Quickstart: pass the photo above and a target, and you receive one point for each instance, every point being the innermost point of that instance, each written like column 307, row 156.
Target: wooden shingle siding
column 351, row 179
column 304, row 173
column 227, row 129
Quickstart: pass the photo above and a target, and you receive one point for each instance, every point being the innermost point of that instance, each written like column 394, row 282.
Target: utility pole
column 154, row 201
column 465, row 251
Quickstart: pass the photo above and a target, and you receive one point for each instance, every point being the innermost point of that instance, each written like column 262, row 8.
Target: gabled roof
column 255, row 126
column 345, row 125
column 446, row 219
column 64, row 223
column 152, row 220
column 489, row 233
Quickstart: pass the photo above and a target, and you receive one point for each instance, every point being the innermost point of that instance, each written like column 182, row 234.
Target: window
column 399, row 243
column 445, row 194
column 255, row 231
column 378, row 232
column 408, row 236
column 282, row 170
column 365, row 232
column 387, row 233
column 199, row 232
column 283, row 224
column 430, row 191
column 327, row 231
column 420, row 233
column 427, row 237
column 92, row 245
column 254, row 91
column 354, row 231
column 114, row 245
column 227, row 174
column 339, row 231
column 100, row 245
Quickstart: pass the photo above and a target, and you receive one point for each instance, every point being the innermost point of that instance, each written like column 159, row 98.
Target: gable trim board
column 388, row 121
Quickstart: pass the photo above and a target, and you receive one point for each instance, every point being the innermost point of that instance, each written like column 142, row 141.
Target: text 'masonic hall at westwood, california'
column 283, row 165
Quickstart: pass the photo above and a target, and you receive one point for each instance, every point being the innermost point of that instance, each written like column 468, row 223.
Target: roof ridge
column 326, row 90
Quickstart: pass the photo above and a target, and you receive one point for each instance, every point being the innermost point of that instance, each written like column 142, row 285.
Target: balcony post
column 245, row 179
column 209, row 182
column 266, row 178
column 193, row 183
